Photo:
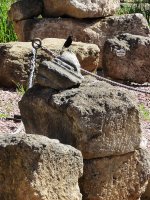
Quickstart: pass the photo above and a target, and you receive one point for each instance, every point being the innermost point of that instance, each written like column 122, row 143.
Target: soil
column 8, row 107
column 9, row 99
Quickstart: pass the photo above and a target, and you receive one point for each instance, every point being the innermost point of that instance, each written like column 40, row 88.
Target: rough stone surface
column 25, row 9
column 14, row 63
column 146, row 195
column 69, row 59
column 115, row 178
column 87, row 54
column 96, row 118
column 127, row 57
column 80, row 8
column 34, row 167
column 61, row 73
column 90, row 31
column 15, row 58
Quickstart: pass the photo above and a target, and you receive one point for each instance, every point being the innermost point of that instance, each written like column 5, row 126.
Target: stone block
column 33, row 167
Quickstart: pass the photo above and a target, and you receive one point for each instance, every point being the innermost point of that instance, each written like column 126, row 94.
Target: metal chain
column 113, row 82
column 48, row 51
column 32, row 67
column 38, row 44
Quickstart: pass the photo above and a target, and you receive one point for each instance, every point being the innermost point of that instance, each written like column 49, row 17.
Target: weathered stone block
column 15, row 58
column 61, row 73
column 80, row 9
column 127, row 57
column 97, row 118
column 33, row 167
column 90, row 31
column 122, row 177
column 25, row 9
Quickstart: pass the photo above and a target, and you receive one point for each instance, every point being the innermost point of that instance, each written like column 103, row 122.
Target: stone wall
column 87, row 21
column 102, row 122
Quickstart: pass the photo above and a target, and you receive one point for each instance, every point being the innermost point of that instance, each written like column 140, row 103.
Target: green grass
column 145, row 113
column 20, row 89
column 3, row 115
column 7, row 33
column 139, row 6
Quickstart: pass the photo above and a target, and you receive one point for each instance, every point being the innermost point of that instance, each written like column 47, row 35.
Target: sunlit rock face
column 80, row 8
column 61, row 73
column 95, row 31
column 37, row 168
column 127, row 57
column 97, row 118
column 116, row 177
column 16, row 57
column 102, row 122
column 26, row 9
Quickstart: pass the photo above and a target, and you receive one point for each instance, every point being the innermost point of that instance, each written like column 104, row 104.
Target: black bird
column 68, row 42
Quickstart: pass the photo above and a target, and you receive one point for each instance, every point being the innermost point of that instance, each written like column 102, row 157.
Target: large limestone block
column 127, row 57
column 25, row 9
column 15, row 58
column 90, row 31
column 34, row 167
column 116, row 178
column 80, row 8
column 14, row 63
column 97, row 118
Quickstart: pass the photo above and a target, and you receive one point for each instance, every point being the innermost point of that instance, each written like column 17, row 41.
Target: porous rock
column 116, row 177
column 25, row 9
column 146, row 194
column 90, row 31
column 80, row 9
column 15, row 58
column 127, row 57
column 14, row 63
column 33, row 167
column 97, row 118
column 62, row 72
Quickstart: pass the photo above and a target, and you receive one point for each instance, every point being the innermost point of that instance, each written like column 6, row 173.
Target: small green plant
column 144, row 112
column 20, row 89
column 7, row 33
column 3, row 115
column 125, row 9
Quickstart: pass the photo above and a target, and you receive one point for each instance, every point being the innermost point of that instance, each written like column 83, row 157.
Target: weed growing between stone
column 20, row 89
column 3, row 115
column 145, row 114
column 7, row 33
